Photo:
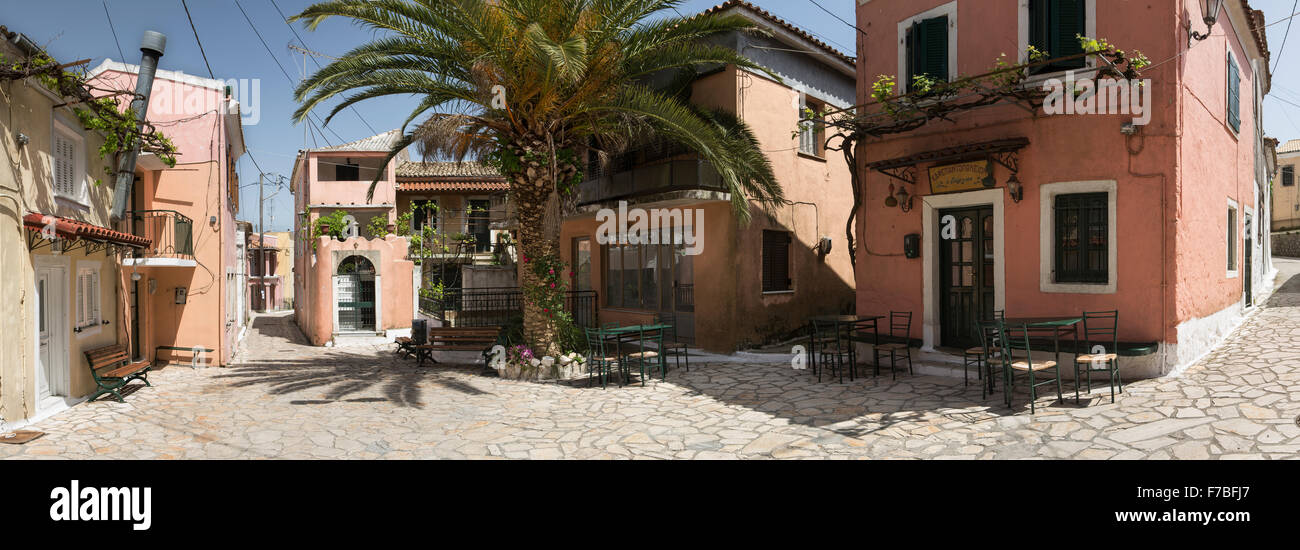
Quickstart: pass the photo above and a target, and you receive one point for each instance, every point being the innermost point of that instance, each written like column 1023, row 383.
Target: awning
column 1002, row 151
column 73, row 230
column 453, row 185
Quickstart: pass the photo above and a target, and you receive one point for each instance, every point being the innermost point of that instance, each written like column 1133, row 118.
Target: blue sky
column 76, row 29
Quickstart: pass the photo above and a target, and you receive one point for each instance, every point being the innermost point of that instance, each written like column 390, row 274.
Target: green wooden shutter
column 934, row 47
column 1054, row 27
column 1234, row 95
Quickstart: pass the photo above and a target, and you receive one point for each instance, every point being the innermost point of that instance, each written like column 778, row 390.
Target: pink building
column 184, row 292
column 348, row 283
column 265, row 290
column 1163, row 221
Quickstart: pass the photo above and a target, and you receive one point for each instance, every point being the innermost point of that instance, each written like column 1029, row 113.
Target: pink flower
column 552, row 285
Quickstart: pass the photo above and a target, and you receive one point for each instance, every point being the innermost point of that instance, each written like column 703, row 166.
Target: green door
column 965, row 273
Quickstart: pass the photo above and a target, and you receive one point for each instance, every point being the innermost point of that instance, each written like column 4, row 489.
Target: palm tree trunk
column 533, row 192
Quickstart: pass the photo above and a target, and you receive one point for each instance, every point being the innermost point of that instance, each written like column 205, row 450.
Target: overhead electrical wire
column 196, row 39
column 116, row 42
column 313, row 60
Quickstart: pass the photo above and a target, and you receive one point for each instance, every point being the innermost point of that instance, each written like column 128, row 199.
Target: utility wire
column 842, row 20
column 281, row 66
column 117, row 42
column 313, row 60
column 1286, row 35
column 196, row 39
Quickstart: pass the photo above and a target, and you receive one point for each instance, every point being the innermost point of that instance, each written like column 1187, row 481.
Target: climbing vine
column 101, row 114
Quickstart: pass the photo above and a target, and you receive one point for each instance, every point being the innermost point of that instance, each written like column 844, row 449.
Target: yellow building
column 60, row 275
column 1286, row 194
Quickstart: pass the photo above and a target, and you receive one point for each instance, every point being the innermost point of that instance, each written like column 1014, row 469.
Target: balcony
column 657, row 173
column 171, row 235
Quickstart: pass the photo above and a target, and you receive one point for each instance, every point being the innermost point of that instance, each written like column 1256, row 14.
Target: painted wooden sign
column 964, row 176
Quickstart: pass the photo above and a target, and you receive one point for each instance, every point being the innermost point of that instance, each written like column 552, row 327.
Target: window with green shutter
column 927, row 49
column 1234, row 95
column 1054, row 27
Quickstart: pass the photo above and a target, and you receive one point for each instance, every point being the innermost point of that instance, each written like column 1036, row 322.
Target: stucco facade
column 1168, row 187
column 1286, row 188
column 358, row 285
column 190, row 284
column 717, row 297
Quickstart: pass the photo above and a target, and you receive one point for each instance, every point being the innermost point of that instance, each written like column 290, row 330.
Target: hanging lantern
column 1015, row 188
column 890, row 201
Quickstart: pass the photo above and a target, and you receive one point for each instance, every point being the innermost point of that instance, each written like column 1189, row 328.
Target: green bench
column 112, row 369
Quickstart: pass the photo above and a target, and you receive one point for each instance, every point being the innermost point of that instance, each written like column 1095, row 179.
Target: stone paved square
column 285, row 399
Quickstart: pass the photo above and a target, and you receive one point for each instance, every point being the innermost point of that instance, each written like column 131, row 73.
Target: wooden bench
column 480, row 339
column 191, row 349
column 112, row 368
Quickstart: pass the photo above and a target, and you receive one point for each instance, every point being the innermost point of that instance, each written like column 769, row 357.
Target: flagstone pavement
column 285, row 399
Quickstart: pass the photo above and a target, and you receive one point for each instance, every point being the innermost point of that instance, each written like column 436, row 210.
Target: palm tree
column 534, row 87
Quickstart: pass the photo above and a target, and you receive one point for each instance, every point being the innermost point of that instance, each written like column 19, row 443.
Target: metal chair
column 825, row 339
column 1101, row 336
column 900, row 326
column 978, row 356
column 990, row 362
column 1016, row 338
column 673, row 345
column 647, row 356
column 598, row 359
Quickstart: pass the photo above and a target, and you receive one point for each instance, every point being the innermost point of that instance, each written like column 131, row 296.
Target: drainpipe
column 151, row 48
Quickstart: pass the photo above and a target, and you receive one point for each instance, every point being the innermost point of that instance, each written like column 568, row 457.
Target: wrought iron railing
column 496, row 306
column 171, row 233
column 658, row 167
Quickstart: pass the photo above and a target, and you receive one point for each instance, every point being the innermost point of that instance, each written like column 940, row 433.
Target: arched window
column 356, row 265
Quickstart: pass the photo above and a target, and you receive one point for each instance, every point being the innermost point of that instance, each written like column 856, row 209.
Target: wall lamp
column 1209, row 14
column 1015, row 188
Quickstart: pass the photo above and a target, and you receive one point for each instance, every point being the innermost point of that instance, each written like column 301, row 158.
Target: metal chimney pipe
column 151, row 48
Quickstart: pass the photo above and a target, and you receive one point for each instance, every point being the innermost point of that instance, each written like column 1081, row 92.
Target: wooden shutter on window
column 65, row 162
column 1054, row 27
column 81, row 299
column 927, row 49
column 1234, row 95
column 94, row 298
column 776, row 261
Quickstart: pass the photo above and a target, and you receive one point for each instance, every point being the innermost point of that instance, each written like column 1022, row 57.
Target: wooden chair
column 1015, row 340
column 1101, row 338
column 900, row 327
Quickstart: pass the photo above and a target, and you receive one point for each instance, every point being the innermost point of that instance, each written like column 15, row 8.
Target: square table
column 854, row 322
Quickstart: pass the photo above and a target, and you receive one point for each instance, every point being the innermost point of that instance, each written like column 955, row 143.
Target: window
column 1054, row 26
column 424, row 212
column 1288, row 176
column 87, row 298
column 1082, row 238
column 1232, row 240
column 347, row 172
column 811, row 134
column 67, row 164
column 776, row 261
column 634, row 275
column 1234, row 94
column 477, row 224
column 927, row 49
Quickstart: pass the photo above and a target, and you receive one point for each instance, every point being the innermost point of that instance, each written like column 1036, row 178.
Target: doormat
column 19, row 437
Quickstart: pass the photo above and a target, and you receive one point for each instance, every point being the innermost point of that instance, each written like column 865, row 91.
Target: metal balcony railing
column 171, row 233
column 496, row 306
column 657, row 167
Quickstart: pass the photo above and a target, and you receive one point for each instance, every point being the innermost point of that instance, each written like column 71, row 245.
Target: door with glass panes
column 965, row 274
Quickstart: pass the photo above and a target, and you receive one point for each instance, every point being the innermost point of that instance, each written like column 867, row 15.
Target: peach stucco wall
column 1174, row 178
column 316, row 303
column 731, row 311
column 199, row 187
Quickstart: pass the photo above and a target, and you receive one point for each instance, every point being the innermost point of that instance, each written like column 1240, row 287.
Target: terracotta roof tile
column 453, row 185
column 784, row 24
column 466, row 169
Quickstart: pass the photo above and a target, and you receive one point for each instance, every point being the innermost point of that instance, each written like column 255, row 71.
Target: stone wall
column 1287, row 244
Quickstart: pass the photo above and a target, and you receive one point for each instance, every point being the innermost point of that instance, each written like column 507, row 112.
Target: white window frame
column 488, row 199
column 1232, row 244
column 1047, row 236
column 949, row 9
column 78, row 196
column 89, row 309
column 437, row 219
column 810, row 129
column 1022, row 23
